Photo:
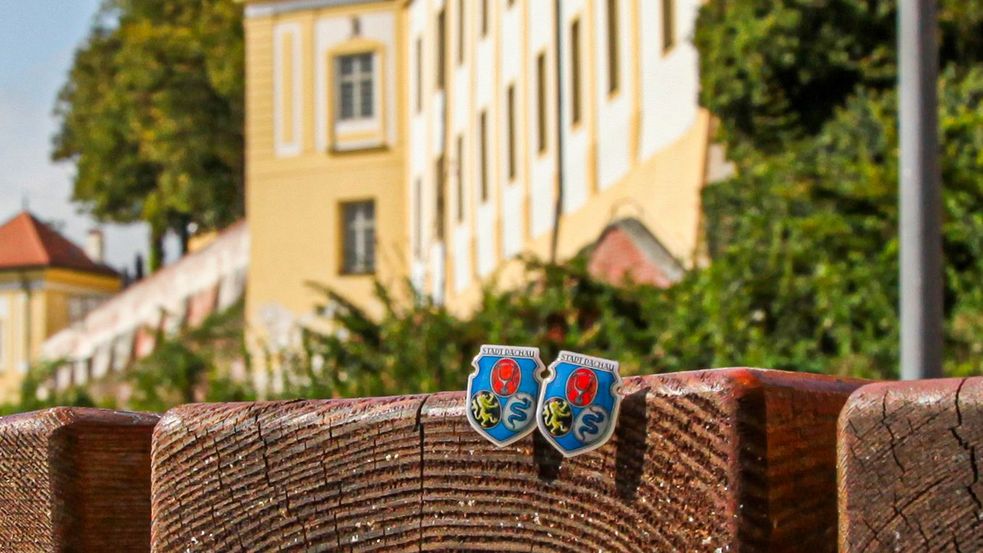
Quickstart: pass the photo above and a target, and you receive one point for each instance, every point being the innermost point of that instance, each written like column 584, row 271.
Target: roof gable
column 627, row 251
column 26, row 242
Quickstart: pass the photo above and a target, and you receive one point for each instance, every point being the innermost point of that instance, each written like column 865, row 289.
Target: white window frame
column 358, row 123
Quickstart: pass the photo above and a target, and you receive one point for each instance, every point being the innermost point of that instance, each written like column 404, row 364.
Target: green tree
column 805, row 233
column 152, row 116
column 775, row 70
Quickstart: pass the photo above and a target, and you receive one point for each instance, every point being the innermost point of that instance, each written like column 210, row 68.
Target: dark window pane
column 368, row 261
column 510, row 125
column 575, row 62
column 356, row 86
column 347, row 100
column 359, row 240
column 367, row 98
column 668, row 24
column 441, row 49
column 614, row 71
column 441, row 199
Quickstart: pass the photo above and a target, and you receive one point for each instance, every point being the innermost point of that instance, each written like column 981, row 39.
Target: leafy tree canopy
column 152, row 115
column 775, row 70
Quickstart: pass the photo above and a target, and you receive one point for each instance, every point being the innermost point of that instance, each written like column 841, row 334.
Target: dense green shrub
column 775, row 70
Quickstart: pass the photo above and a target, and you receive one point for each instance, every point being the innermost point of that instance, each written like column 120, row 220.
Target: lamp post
column 920, row 192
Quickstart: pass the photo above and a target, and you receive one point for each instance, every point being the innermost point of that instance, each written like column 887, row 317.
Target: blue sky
column 37, row 41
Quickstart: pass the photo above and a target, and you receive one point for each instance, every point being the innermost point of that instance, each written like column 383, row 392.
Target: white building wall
column 105, row 336
column 461, row 162
column 419, row 148
column 649, row 115
column 670, row 80
column 542, row 163
column 509, row 66
column 576, row 143
column 484, row 94
column 613, row 115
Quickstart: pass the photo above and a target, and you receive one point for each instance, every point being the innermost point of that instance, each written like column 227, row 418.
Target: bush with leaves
column 33, row 399
column 421, row 347
column 193, row 366
column 806, row 232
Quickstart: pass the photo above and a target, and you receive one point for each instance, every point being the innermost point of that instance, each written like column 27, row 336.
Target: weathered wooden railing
column 75, row 480
column 723, row 460
column 910, row 460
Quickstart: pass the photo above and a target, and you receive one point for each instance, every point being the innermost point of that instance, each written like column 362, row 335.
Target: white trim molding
column 282, row 146
column 268, row 9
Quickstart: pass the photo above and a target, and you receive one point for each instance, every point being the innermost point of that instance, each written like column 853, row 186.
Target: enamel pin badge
column 502, row 392
column 579, row 401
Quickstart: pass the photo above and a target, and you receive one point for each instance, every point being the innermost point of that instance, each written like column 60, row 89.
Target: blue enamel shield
column 502, row 392
column 579, row 401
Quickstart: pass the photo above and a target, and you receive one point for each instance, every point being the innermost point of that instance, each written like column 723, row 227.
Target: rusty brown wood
column 909, row 462
column 724, row 460
column 75, row 479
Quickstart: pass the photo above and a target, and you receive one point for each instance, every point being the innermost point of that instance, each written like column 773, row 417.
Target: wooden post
column 735, row 459
column 909, row 467
column 75, row 479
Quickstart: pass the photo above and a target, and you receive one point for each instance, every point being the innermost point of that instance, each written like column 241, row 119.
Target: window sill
column 345, row 147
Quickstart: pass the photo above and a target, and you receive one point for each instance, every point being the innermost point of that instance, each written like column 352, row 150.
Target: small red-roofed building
column 46, row 283
column 626, row 252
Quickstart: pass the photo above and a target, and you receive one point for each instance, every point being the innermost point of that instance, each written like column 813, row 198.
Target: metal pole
column 558, row 203
column 920, row 192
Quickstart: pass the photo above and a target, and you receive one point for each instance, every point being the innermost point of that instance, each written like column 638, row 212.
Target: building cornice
column 267, row 9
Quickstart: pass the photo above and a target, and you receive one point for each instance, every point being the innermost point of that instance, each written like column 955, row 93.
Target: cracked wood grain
column 75, row 479
column 909, row 467
column 729, row 460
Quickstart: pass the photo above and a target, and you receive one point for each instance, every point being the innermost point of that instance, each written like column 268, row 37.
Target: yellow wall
column 661, row 189
column 293, row 203
column 293, row 198
column 25, row 328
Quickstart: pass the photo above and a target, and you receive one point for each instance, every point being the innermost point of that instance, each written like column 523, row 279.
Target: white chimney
column 95, row 245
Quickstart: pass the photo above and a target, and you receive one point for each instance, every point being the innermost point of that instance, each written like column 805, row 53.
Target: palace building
column 434, row 141
column 47, row 283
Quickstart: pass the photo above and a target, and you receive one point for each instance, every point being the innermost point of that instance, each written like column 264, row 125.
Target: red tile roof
column 26, row 242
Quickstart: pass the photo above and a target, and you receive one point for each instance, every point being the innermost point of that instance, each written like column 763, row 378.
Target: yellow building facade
column 46, row 284
column 325, row 159
column 456, row 131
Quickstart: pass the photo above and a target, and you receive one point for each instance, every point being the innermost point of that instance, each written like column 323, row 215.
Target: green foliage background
column 151, row 116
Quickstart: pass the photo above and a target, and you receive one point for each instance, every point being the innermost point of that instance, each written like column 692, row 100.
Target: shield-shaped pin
column 579, row 402
column 502, row 392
